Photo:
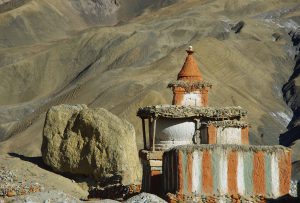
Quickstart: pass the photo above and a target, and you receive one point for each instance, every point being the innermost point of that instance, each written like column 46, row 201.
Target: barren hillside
column 120, row 55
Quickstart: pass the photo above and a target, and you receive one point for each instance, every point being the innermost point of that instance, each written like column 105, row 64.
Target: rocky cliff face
column 291, row 92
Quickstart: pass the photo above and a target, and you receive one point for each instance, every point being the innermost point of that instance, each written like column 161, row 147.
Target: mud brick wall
column 227, row 169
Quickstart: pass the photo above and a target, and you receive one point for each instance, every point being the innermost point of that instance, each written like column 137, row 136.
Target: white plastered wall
column 229, row 135
column 173, row 132
column 192, row 99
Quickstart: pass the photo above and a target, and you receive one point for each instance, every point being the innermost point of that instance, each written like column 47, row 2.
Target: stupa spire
column 190, row 70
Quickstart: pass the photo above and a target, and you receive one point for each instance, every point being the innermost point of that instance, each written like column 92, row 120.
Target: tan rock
column 91, row 142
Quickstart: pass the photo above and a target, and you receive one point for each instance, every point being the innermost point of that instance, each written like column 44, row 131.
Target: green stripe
column 268, row 176
column 216, row 164
column 248, row 172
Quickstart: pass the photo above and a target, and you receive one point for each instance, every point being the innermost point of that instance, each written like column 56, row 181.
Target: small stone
column 275, row 37
column 238, row 27
column 11, row 193
column 235, row 196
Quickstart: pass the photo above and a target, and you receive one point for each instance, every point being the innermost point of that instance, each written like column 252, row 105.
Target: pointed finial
column 190, row 50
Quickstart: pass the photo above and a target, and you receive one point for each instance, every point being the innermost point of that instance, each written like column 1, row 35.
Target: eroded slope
column 128, row 65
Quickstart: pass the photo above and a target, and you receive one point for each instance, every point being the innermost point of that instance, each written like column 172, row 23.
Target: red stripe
column 212, row 134
column 207, row 178
column 232, row 172
column 285, row 170
column 178, row 95
column 204, row 95
column 245, row 135
column 189, row 172
column 180, row 174
column 259, row 174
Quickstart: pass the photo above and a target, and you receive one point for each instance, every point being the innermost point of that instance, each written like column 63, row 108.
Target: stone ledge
column 190, row 85
column 231, row 147
column 151, row 155
column 173, row 198
column 174, row 111
column 230, row 123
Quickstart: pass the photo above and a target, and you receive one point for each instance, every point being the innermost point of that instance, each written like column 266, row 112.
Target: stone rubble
column 174, row 111
column 12, row 185
column 145, row 198
column 223, row 198
column 189, row 85
column 294, row 188
column 52, row 196
column 229, row 123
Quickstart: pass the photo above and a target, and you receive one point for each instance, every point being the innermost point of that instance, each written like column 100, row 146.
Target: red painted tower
column 189, row 89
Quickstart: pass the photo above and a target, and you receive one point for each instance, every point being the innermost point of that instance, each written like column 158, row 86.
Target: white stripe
column 196, row 172
column 275, row 175
column 223, row 173
column 240, row 174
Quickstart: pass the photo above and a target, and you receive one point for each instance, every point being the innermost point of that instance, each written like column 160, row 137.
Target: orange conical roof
column 190, row 69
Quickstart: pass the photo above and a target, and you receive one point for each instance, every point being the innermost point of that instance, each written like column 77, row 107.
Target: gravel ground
column 145, row 198
column 12, row 184
column 52, row 196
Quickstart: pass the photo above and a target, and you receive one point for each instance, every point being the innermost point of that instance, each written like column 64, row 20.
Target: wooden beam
column 153, row 133
column 150, row 133
column 144, row 134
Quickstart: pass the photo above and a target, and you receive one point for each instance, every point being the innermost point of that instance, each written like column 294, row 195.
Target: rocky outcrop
column 291, row 92
column 6, row 5
column 91, row 142
column 98, row 11
column 238, row 27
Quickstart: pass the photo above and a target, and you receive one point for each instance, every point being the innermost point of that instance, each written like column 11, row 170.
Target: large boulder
column 92, row 142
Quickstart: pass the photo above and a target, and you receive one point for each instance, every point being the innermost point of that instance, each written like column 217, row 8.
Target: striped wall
column 221, row 135
column 227, row 169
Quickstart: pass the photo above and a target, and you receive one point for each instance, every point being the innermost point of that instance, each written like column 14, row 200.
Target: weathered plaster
column 191, row 99
column 173, row 132
column 229, row 135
